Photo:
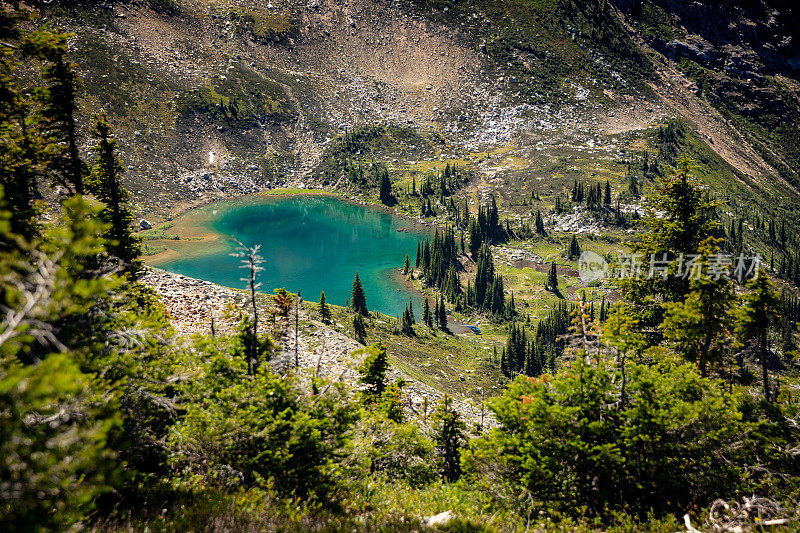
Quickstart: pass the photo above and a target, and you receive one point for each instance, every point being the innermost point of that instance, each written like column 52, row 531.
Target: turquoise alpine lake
column 310, row 243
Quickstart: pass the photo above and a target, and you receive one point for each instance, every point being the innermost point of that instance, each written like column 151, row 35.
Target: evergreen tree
column 372, row 372
column 698, row 324
column 418, row 261
column 358, row 300
column 475, row 239
column 359, row 328
column 427, row 316
column 574, row 249
column 552, row 278
column 58, row 108
column 104, row 182
column 391, row 402
column 385, row 187
column 406, row 266
column 607, row 196
column 484, row 278
column 253, row 348
column 755, row 317
column 679, row 219
column 441, row 314
column 449, row 435
column 540, row 224
column 407, row 323
column 324, row 310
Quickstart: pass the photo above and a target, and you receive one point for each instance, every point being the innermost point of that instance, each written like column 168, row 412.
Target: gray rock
column 438, row 519
column 696, row 49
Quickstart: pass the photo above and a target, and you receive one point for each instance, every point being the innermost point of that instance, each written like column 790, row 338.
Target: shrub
column 53, row 456
column 571, row 444
column 399, row 451
column 261, row 431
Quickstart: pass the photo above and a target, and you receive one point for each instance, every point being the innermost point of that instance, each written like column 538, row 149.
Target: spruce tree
column 385, row 187
column 755, row 317
column 475, row 239
column 407, row 323
column 698, row 325
column 23, row 154
column 324, row 310
column 427, row 316
column 372, row 372
column 58, row 108
column 552, row 278
column 104, row 183
column 406, row 266
column 358, row 300
column 574, row 249
column 450, row 437
column 540, row 224
column 442, row 314
column 359, row 329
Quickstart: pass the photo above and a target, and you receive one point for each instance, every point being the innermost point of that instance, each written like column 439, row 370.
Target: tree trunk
column 764, row 364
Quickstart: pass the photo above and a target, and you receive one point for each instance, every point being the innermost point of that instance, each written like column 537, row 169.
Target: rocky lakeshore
column 321, row 349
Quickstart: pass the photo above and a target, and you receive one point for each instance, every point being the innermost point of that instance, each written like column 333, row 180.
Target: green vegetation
column 110, row 420
column 240, row 99
column 159, row 233
column 265, row 26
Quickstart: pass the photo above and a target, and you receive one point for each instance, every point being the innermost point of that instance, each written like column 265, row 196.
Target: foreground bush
column 243, row 431
column 573, row 444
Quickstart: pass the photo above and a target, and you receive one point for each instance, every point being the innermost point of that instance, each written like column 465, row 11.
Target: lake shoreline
column 184, row 231
column 286, row 223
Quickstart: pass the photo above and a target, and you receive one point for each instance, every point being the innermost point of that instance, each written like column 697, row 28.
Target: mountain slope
column 212, row 99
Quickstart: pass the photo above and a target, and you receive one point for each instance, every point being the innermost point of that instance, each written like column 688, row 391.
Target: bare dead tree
column 252, row 261
column 298, row 301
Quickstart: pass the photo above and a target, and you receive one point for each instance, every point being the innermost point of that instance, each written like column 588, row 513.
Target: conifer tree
column 391, row 402
column 253, row 348
column 475, row 239
column 574, row 249
column 359, row 328
column 58, row 112
column 372, row 372
column 406, row 266
column 104, row 182
column 22, row 155
column 441, row 314
column 324, row 310
column 679, row 219
column 449, row 435
column 407, row 323
column 358, row 300
column 699, row 323
column 385, row 187
column 427, row 316
column 755, row 317
column 552, row 278
column 540, row 224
